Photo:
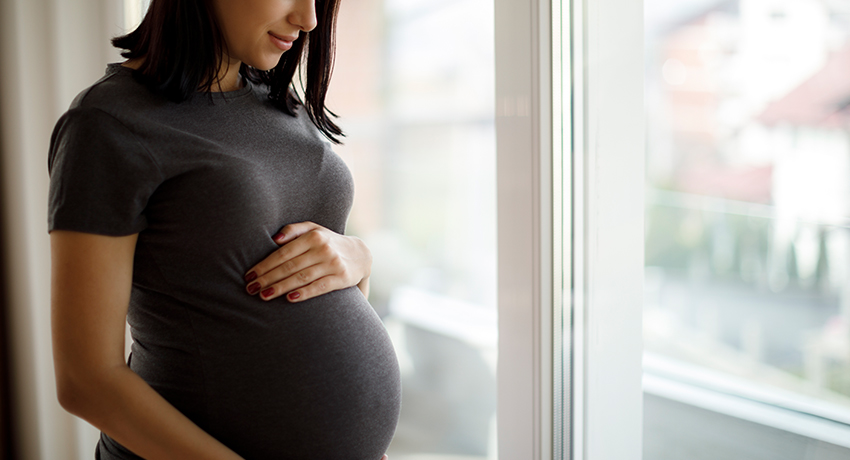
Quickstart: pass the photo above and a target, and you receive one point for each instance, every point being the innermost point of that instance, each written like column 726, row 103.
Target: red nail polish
column 250, row 277
column 254, row 288
column 268, row 292
column 294, row 295
column 278, row 236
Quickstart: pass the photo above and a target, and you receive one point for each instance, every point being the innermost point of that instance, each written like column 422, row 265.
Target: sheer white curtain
column 50, row 49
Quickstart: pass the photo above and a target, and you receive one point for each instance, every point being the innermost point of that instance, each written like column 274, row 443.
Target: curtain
column 51, row 49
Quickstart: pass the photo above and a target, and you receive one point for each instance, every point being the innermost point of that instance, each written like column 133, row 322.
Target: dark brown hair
column 183, row 48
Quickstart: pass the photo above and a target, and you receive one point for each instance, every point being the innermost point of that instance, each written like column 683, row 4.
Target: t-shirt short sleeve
column 101, row 176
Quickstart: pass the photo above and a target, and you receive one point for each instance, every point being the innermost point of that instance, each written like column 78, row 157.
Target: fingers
column 293, row 231
column 384, row 458
column 291, row 274
column 274, row 285
column 284, row 257
column 318, row 287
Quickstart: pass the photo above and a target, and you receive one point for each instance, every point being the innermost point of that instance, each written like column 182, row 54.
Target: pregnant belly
column 313, row 380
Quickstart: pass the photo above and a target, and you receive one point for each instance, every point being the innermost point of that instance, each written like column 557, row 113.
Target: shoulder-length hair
column 184, row 47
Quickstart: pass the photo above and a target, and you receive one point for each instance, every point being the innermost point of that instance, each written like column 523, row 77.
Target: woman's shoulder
column 116, row 87
column 117, row 91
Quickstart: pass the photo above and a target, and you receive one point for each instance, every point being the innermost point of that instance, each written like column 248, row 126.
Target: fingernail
column 250, row 277
column 268, row 292
column 278, row 236
column 294, row 295
column 252, row 289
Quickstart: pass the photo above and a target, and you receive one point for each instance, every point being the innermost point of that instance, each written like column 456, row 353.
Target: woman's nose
column 304, row 15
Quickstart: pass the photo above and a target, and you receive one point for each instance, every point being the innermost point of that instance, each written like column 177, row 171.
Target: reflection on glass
column 414, row 86
column 748, row 195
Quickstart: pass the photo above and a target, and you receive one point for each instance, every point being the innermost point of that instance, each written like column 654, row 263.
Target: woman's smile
column 282, row 42
column 251, row 26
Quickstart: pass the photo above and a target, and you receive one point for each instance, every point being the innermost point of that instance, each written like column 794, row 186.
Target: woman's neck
column 228, row 76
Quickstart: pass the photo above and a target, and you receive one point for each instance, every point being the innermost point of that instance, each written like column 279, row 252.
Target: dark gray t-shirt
column 206, row 184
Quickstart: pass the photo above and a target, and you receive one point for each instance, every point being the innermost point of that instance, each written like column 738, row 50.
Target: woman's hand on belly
column 311, row 261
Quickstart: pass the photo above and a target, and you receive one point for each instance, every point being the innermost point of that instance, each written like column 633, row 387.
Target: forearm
column 127, row 409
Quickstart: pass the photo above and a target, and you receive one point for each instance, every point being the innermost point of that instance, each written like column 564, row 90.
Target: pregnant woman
column 194, row 193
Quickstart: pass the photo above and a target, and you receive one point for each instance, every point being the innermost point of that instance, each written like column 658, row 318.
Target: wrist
column 366, row 260
column 363, row 285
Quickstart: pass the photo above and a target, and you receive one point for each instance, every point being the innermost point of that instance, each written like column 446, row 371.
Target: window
column 747, row 212
column 417, row 103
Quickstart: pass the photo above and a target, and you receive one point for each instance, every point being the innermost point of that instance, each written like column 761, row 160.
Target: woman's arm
column 91, row 282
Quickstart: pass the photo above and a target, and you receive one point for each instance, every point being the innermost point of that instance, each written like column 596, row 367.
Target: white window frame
column 608, row 226
column 570, row 171
column 570, row 141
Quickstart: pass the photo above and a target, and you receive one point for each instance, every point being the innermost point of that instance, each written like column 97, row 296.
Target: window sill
column 752, row 410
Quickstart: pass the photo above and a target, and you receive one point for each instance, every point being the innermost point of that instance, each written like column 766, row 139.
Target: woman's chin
column 267, row 63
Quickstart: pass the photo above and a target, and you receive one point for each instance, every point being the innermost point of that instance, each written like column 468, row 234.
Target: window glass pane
column 747, row 281
column 414, row 85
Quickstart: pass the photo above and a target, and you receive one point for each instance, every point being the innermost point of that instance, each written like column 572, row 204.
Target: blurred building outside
column 748, row 199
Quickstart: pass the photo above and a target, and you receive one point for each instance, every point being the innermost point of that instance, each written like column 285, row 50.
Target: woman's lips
column 282, row 42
